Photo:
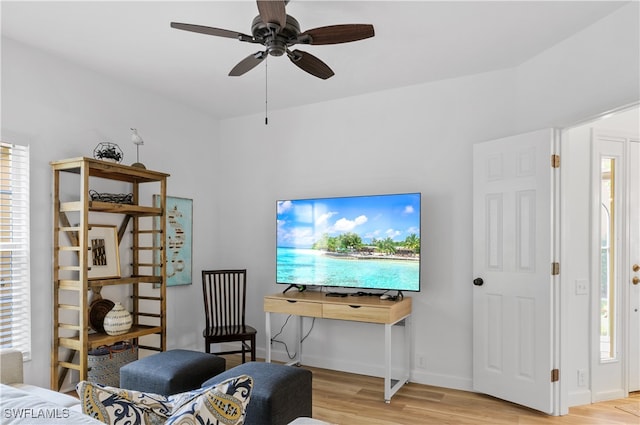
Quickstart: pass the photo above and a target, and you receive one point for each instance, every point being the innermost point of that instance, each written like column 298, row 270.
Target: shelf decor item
column 97, row 312
column 104, row 258
column 104, row 362
column 137, row 140
column 117, row 321
column 116, row 198
column 108, row 151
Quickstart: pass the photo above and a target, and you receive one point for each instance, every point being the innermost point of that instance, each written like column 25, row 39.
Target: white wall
column 417, row 139
column 575, row 206
column 63, row 111
column 589, row 73
column 411, row 139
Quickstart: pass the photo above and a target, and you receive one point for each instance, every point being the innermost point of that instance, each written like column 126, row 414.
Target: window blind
column 15, row 301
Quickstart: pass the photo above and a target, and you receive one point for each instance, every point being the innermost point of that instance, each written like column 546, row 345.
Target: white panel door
column 513, row 249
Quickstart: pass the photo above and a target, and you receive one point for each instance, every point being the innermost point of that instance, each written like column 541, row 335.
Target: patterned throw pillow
column 112, row 405
column 222, row 404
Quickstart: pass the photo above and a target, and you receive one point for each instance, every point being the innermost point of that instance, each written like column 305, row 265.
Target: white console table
column 359, row 309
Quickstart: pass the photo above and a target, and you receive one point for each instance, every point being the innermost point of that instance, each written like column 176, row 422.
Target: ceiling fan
column 277, row 32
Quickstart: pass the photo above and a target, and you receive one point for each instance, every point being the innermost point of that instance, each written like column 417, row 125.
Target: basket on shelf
column 97, row 311
column 104, row 363
column 116, row 198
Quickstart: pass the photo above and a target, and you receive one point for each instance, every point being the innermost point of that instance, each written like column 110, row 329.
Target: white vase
column 118, row 320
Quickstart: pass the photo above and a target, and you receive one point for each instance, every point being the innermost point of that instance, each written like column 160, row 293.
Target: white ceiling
column 415, row 42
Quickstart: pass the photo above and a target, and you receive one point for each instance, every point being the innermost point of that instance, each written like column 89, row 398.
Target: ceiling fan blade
column 248, row 63
column 311, row 64
column 334, row 34
column 211, row 31
column 273, row 12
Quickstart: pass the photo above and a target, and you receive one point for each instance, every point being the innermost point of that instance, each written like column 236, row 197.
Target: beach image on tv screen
column 357, row 242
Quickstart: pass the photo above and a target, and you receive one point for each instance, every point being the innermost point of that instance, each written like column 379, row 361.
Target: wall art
column 104, row 256
column 178, row 243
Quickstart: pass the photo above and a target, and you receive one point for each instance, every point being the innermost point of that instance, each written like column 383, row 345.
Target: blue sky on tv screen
column 304, row 221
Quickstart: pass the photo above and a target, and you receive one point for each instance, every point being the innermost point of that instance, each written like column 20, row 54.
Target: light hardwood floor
column 351, row 399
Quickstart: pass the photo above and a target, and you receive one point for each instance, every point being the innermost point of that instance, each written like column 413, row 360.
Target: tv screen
column 368, row 242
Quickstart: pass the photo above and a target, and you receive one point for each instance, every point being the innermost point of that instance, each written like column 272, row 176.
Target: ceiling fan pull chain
column 266, row 92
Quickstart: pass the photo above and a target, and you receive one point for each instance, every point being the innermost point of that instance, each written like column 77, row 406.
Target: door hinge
column 555, row 269
column 555, row 375
column 555, row 161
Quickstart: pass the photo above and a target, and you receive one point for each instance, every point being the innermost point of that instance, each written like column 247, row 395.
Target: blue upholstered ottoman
column 280, row 393
column 171, row 372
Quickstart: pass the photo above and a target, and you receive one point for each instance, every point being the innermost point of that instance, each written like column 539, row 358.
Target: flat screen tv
column 364, row 242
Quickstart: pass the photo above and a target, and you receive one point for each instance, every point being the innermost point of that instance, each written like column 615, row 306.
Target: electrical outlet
column 582, row 378
column 582, row 288
column 420, row 362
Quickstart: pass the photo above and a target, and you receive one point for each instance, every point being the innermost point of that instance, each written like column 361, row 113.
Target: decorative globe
column 107, row 151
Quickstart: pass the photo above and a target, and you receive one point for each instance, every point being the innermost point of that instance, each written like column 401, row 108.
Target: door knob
column 478, row 281
column 636, row 267
column 635, row 280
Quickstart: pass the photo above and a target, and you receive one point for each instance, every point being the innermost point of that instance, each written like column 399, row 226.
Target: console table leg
column 387, row 362
column 297, row 361
column 299, row 342
column 389, row 387
column 408, row 346
column 267, row 320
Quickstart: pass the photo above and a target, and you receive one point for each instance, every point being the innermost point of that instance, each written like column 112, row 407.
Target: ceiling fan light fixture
column 276, row 48
column 277, row 31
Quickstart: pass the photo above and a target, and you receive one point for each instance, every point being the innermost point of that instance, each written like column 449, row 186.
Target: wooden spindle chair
column 225, row 294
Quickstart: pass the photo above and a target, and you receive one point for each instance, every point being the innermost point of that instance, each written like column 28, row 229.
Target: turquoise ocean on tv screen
column 311, row 267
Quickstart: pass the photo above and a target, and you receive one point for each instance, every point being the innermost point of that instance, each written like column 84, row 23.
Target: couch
column 26, row 404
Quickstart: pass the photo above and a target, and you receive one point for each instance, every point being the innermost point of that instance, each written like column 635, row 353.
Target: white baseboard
column 578, row 398
column 418, row 376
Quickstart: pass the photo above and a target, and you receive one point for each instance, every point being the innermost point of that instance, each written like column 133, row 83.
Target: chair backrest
column 224, row 293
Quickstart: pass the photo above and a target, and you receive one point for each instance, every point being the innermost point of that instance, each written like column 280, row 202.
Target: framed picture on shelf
column 104, row 256
column 179, row 236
